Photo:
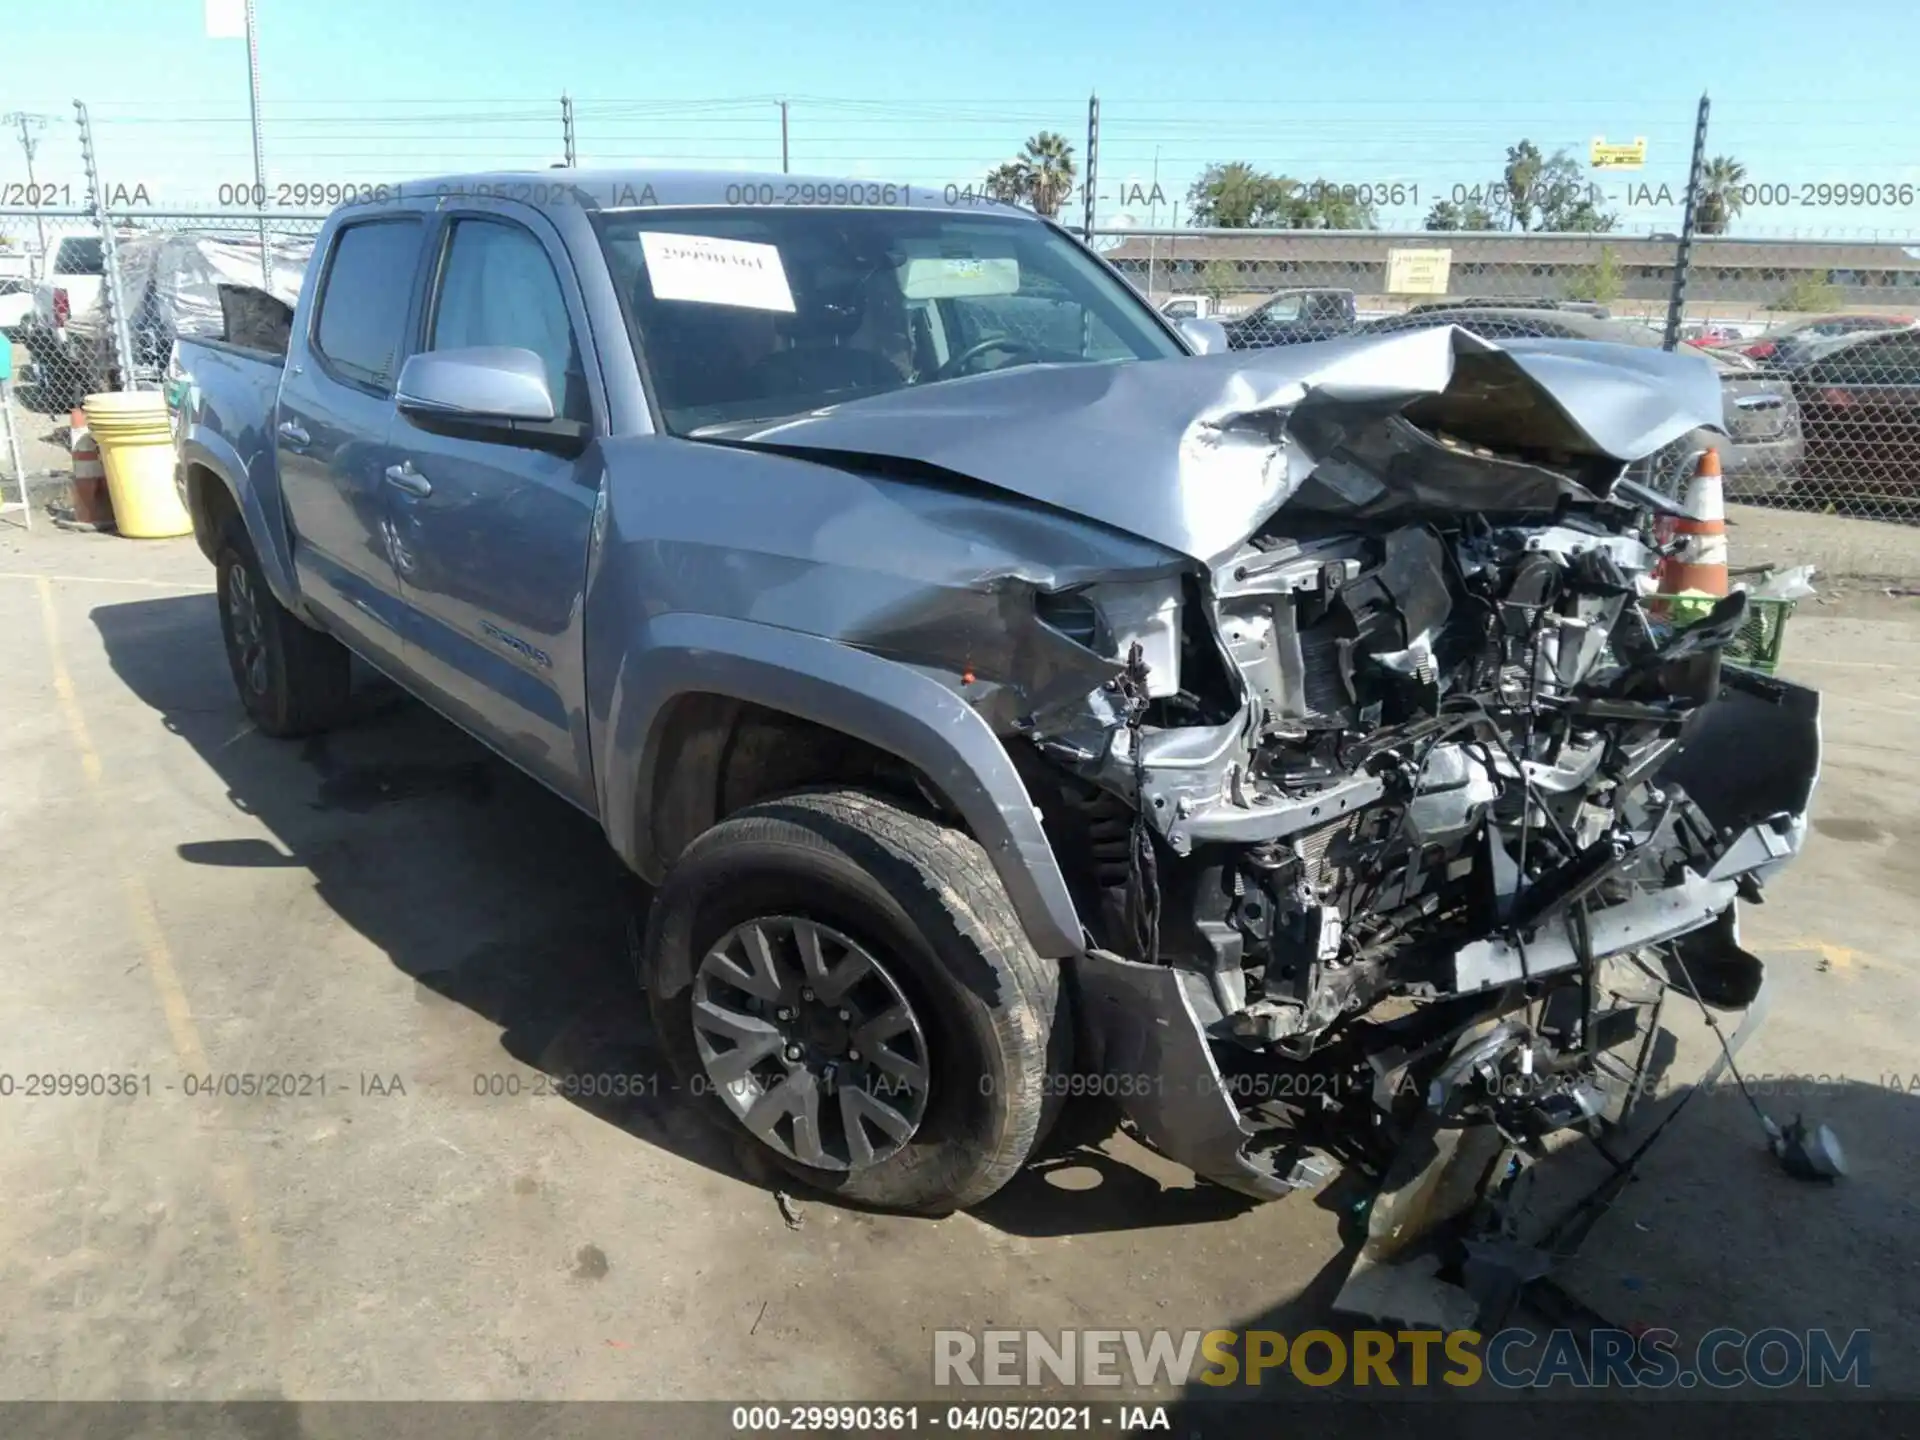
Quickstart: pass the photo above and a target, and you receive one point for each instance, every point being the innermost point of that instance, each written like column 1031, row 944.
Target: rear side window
column 77, row 257
column 363, row 305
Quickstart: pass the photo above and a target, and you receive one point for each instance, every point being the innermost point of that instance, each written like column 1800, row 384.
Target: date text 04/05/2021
column 962, row 1419
column 193, row 1085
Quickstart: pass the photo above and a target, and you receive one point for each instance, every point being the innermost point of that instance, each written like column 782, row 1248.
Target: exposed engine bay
column 1459, row 770
column 1382, row 805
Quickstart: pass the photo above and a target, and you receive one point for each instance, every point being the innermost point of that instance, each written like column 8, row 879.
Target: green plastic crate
column 1760, row 640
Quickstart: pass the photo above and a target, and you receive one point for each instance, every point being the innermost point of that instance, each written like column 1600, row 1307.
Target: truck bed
column 229, row 406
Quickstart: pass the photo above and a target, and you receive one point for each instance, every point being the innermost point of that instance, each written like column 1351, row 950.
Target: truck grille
column 1762, row 416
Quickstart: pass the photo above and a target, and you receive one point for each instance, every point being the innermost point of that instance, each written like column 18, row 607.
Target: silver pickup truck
column 1013, row 696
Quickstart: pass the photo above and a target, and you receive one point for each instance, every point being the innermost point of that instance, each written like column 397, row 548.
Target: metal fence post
column 566, row 131
column 109, row 252
column 259, row 153
column 1683, row 248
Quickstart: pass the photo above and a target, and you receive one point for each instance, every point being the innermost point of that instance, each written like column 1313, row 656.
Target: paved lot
column 1851, row 555
column 396, row 912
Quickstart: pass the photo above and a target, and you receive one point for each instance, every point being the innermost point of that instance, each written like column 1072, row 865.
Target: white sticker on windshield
column 712, row 271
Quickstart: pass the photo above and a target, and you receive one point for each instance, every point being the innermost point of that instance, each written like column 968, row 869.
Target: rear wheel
column 293, row 680
column 856, row 993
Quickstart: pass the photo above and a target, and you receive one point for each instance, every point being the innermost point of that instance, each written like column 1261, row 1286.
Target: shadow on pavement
column 1712, row 1233
column 491, row 893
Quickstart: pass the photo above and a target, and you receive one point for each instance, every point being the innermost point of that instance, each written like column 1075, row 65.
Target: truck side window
column 497, row 287
column 363, row 307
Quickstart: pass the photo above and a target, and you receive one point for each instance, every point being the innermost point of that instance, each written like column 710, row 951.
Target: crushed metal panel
column 1195, row 453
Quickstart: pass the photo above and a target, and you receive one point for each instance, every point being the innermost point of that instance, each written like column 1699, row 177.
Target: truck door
column 332, row 427
column 491, row 531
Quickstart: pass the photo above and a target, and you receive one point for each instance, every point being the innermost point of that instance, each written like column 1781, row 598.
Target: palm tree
column 1048, row 171
column 1007, row 183
column 1720, row 186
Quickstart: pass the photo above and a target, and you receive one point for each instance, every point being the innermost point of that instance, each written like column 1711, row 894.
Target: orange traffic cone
column 91, row 503
column 1700, row 563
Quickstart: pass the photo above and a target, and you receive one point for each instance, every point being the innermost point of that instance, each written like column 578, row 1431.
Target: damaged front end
column 1367, row 792
column 1372, row 811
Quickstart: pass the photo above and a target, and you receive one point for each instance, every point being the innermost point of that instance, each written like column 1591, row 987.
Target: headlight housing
column 1109, row 618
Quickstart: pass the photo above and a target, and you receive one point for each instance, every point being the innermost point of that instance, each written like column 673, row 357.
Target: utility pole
column 566, row 131
column 28, row 124
column 1153, row 221
column 1683, row 249
column 783, row 139
column 1093, row 167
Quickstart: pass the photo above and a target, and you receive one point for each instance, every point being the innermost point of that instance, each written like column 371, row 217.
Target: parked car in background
column 1759, row 455
column 1189, row 307
column 68, row 362
column 16, row 302
column 71, row 287
column 1860, row 409
column 1707, row 335
column 1791, row 344
column 1509, row 302
column 1292, row 317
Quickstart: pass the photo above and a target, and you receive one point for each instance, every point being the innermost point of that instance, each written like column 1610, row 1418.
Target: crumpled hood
column 1195, row 453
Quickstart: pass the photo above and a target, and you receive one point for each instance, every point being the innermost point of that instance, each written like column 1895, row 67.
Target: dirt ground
column 429, row 938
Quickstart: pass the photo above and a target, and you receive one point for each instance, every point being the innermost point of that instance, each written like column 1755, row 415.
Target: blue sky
column 1363, row 91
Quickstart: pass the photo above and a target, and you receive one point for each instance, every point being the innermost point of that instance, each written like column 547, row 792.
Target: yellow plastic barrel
column 136, row 447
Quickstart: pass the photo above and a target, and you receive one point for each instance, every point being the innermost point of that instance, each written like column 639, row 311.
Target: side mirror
column 1203, row 337
column 488, row 382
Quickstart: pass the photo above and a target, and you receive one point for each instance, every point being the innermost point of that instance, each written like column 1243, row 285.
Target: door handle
column 404, row 477
column 291, row 432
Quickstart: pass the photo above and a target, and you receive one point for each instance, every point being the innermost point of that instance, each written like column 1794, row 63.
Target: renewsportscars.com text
column 1652, row 1358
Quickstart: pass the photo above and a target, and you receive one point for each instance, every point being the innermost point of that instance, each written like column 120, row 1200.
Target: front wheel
column 847, row 982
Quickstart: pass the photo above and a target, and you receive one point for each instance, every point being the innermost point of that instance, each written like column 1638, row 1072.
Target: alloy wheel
column 810, row 1042
column 249, row 629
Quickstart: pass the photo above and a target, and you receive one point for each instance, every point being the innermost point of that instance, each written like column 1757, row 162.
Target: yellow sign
column 1418, row 272
column 1631, row 156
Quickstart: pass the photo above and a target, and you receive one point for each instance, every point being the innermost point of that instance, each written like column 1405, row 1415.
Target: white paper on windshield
column 930, row 274
column 712, row 271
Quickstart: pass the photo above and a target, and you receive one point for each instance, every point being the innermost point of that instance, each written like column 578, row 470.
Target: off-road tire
column 925, row 897
column 301, row 680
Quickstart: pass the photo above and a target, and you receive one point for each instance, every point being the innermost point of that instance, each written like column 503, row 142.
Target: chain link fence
column 89, row 309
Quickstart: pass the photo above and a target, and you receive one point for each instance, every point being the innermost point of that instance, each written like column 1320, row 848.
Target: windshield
column 78, row 257
column 752, row 315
